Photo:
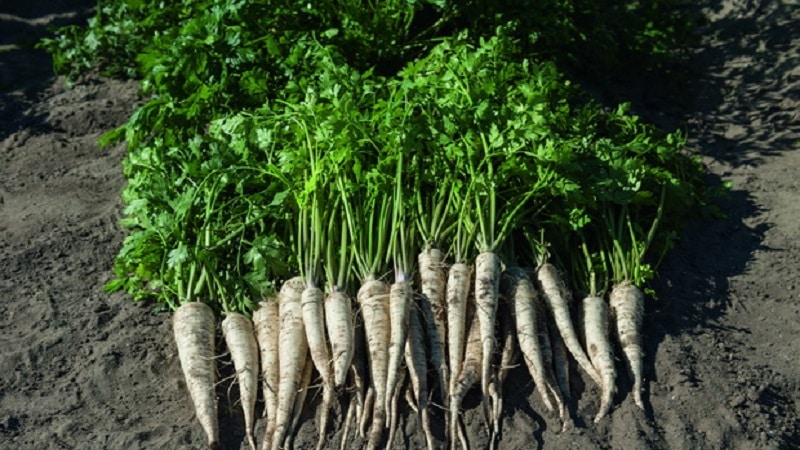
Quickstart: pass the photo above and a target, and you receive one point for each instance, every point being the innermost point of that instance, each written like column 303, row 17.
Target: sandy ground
column 80, row 369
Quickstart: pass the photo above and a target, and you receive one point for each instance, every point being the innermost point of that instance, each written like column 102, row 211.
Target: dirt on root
column 83, row 369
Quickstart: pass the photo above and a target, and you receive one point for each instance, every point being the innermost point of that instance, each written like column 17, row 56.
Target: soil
column 81, row 369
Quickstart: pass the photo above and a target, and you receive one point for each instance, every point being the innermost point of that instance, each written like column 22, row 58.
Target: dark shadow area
column 518, row 389
column 743, row 79
column 735, row 98
column 737, row 117
column 26, row 72
column 734, row 114
column 692, row 285
column 729, row 95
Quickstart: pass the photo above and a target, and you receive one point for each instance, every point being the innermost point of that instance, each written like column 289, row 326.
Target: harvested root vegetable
column 547, row 356
column 409, row 393
column 627, row 309
column 508, row 356
column 267, row 327
column 557, row 298
column 349, row 418
column 433, row 285
column 369, row 406
column 356, row 410
column 531, row 329
column 373, row 297
column 595, row 325
column 314, row 324
column 237, row 330
column 325, row 407
column 560, row 361
column 392, row 408
column 458, row 281
column 457, row 294
column 468, row 375
column 359, row 369
column 487, row 282
column 339, row 323
column 302, row 393
column 293, row 354
column 399, row 305
column 417, row 365
column 193, row 326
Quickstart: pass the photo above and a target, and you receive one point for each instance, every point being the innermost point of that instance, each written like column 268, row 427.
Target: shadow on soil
column 738, row 117
column 23, row 24
column 729, row 97
column 737, row 104
column 747, row 81
column 736, row 98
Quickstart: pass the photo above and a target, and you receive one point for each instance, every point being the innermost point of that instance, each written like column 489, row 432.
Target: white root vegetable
column 349, row 418
column 410, row 399
column 433, row 285
column 293, row 354
column 468, row 375
column 373, row 298
column 487, row 281
column 417, row 365
column 369, row 407
column 392, row 407
column 299, row 401
column 458, row 287
column 193, row 327
column 267, row 326
column 325, row 407
column 530, row 326
column 457, row 294
column 627, row 309
column 237, row 330
column 560, row 361
column 399, row 305
column 595, row 325
column 339, row 323
column 558, row 298
column 531, row 321
column 553, row 386
column 547, row 358
column 508, row 355
column 359, row 370
column 314, row 324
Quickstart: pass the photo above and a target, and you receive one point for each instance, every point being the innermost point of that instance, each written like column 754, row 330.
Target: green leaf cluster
column 334, row 140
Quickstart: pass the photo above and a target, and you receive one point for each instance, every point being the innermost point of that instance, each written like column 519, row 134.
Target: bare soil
column 81, row 369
